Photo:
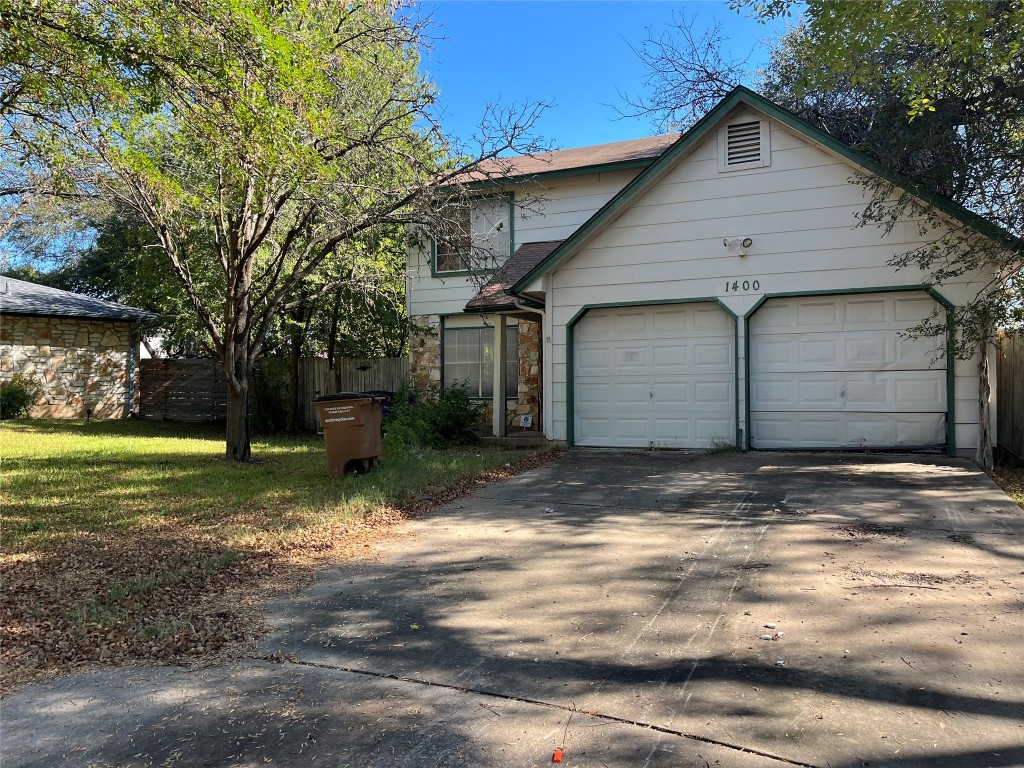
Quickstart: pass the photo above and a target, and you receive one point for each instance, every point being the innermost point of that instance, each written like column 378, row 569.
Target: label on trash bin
column 337, row 414
column 334, row 409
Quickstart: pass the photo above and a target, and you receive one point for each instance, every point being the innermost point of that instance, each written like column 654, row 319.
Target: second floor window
column 479, row 237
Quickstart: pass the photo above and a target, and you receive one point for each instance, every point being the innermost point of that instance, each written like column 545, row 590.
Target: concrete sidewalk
column 617, row 602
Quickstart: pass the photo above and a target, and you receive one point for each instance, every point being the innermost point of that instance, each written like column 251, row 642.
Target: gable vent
column 744, row 145
column 743, row 142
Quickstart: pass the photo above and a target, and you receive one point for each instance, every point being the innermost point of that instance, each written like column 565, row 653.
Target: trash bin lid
column 346, row 396
column 340, row 396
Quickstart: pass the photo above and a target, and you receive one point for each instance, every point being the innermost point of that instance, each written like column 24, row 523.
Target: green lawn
column 64, row 478
column 127, row 541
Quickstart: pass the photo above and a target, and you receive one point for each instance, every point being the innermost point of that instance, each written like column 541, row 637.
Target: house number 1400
column 745, row 285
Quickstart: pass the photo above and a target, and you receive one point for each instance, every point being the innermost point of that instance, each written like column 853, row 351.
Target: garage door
column 657, row 376
column 836, row 372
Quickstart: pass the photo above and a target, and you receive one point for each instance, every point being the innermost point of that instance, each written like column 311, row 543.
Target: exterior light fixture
column 738, row 242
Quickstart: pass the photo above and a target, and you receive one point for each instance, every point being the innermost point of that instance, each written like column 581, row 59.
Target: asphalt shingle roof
column 598, row 155
column 18, row 297
column 493, row 294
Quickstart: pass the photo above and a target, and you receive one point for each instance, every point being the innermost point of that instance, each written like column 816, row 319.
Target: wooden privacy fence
column 195, row 390
column 386, row 373
column 1010, row 398
column 269, row 395
column 182, row 390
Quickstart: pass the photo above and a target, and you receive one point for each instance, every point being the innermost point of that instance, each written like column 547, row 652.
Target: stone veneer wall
column 529, row 394
column 78, row 363
column 425, row 350
column 425, row 367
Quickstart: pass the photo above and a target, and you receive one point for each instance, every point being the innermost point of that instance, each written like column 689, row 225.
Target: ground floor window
column 469, row 357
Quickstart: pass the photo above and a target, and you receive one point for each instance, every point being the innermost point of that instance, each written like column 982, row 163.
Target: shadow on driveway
column 614, row 590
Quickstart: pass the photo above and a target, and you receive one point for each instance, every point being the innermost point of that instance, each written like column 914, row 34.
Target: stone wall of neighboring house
column 425, row 367
column 79, row 364
column 425, row 350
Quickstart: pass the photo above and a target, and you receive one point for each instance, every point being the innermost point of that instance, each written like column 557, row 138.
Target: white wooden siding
column 800, row 212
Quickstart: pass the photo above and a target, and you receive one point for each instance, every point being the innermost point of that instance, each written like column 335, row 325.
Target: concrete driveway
column 641, row 609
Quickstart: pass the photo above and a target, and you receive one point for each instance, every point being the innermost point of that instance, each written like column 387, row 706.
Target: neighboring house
column 82, row 351
column 698, row 291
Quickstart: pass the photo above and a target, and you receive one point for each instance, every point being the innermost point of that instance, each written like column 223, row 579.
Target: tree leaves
column 258, row 141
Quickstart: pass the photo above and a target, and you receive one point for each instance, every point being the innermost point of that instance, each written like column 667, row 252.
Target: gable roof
column 19, row 297
column 599, row 158
column 741, row 95
column 493, row 295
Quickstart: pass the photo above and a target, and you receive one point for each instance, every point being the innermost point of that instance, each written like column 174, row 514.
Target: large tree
column 260, row 142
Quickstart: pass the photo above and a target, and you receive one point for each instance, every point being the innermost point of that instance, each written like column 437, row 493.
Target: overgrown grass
column 128, row 541
column 64, row 478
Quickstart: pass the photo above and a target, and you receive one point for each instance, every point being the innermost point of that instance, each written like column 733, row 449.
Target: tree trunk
column 292, row 424
column 303, row 314
column 332, row 337
column 239, row 372
column 983, row 457
column 238, row 448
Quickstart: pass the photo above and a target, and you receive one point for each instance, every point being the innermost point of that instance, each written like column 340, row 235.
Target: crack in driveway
column 572, row 710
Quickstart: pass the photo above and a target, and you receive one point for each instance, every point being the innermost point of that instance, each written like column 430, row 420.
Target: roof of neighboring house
column 618, row 155
column 18, row 297
column 741, row 95
column 493, row 294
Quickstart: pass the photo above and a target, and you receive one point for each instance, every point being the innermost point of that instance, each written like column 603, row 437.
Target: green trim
column 746, row 374
column 736, row 377
column 435, row 273
column 950, row 373
column 583, row 170
column 950, row 348
column 703, row 127
column 570, row 352
column 511, row 222
column 453, row 273
column 440, row 344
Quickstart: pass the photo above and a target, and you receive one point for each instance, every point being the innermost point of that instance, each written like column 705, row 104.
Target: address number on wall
column 738, row 286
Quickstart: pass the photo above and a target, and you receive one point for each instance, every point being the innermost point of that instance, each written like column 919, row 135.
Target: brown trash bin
column 351, row 424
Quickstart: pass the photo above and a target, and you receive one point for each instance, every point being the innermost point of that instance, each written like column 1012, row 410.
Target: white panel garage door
column 660, row 376
column 836, row 372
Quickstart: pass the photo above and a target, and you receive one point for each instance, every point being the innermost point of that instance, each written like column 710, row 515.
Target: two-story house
column 695, row 291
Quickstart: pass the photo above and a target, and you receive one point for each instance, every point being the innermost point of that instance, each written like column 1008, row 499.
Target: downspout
column 544, row 404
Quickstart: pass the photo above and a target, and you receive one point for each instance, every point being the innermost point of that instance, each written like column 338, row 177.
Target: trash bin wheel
column 361, row 466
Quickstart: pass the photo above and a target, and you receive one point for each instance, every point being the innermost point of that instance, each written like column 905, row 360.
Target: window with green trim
column 480, row 236
column 469, row 358
column 453, row 253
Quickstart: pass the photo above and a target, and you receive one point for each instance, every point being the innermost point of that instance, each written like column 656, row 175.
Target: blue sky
column 576, row 54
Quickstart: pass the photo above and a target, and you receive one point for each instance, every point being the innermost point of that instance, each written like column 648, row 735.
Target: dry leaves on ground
column 173, row 593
